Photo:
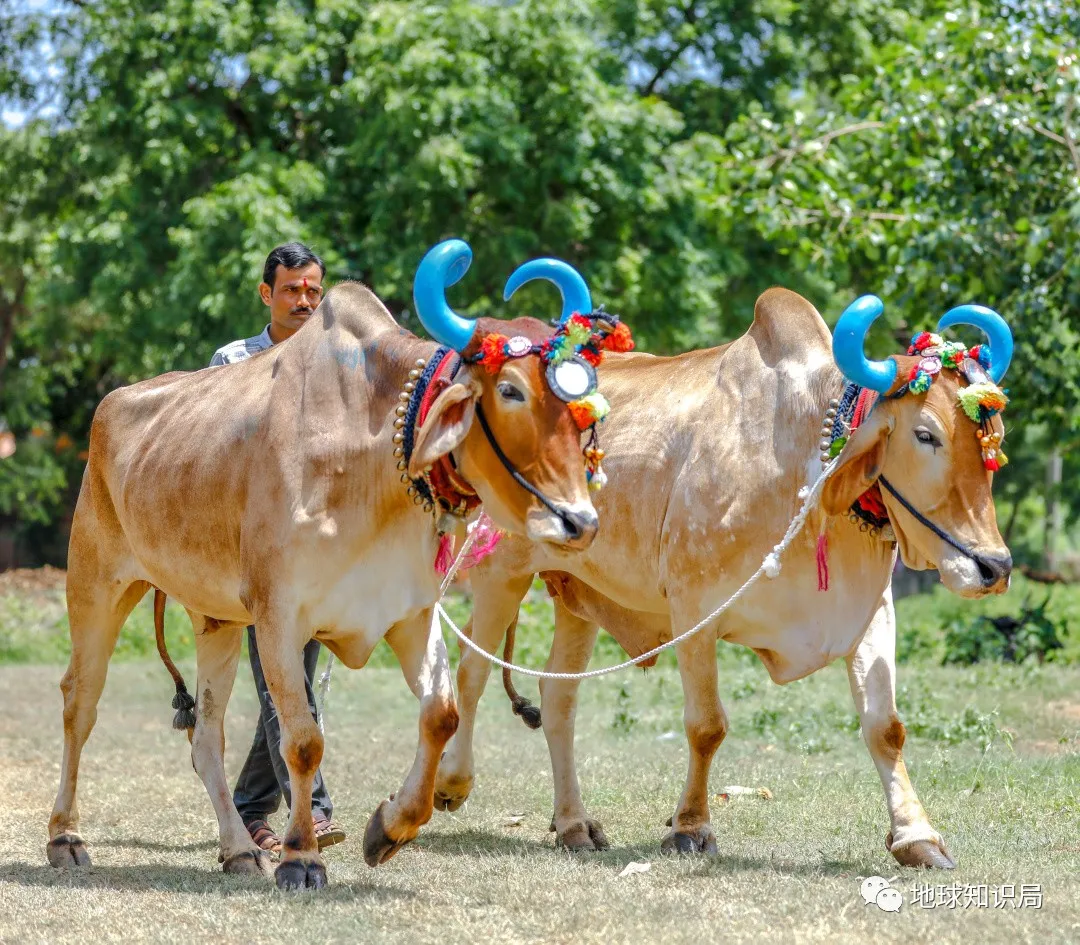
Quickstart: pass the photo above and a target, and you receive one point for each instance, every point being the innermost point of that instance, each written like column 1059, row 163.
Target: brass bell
column 405, row 478
column 420, row 362
column 400, row 422
column 417, row 499
column 410, row 387
column 398, row 437
column 401, row 410
column 414, row 374
column 399, row 451
column 403, row 396
column 402, row 465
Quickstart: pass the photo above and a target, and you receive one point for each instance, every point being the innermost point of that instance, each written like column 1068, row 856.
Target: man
column 292, row 288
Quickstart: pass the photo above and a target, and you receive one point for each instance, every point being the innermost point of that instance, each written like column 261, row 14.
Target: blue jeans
column 264, row 778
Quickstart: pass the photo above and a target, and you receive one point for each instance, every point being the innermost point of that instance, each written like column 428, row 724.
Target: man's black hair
column 291, row 256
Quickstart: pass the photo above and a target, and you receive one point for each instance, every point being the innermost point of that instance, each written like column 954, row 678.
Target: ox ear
column 446, row 425
column 860, row 464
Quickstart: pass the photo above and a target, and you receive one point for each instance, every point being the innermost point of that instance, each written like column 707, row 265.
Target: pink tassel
column 487, row 538
column 445, row 556
column 823, row 562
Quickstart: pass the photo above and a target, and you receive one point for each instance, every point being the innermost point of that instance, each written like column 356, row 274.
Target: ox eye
column 509, row 392
column 925, row 436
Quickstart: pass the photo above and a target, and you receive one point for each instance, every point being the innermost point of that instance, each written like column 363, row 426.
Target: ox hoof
column 298, row 874
column 448, row 801
column 702, row 840
column 580, row 836
column 379, row 846
column 452, row 791
column 922, row 854
column 66, row 851
column 247, row 863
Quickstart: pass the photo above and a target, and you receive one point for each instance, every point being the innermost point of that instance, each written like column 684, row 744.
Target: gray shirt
column 243, row 349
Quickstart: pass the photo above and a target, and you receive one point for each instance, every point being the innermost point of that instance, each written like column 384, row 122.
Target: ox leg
column 495, row 607
column 95, row 616
column 706, row 725
column 301, row 866
column 419, row 647
column 570, row 651
column 872, row 674
column 218, row 651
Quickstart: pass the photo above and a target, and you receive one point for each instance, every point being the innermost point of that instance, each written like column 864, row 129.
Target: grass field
column 993, row 751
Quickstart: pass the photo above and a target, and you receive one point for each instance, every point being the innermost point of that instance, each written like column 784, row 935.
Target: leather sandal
column 264, row 836
column 327, row 833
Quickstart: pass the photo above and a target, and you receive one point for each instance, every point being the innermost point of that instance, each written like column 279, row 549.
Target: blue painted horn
column 442, row 266
column 847, row 346
column 993, row 326
column 572, row 287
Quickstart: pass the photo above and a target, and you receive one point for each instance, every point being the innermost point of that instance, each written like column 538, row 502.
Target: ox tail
column 529, row 713
column 184, row 720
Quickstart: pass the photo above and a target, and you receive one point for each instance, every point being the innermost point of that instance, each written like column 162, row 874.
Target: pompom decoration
column 988, row 396
column 590, row 409
column 619, row 340
column 952, row 355
column 578, row 329
column 590, row 354
column 920, row 382
column 494, row 352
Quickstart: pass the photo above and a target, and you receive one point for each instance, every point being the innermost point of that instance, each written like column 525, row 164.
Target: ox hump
column 353, row 307
column 787, row 327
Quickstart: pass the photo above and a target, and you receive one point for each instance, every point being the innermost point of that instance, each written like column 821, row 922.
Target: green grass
column 993, row 755
column 993, row 749
column 33, row 629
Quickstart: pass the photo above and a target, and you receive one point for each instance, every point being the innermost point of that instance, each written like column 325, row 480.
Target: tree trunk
column 1055, row 513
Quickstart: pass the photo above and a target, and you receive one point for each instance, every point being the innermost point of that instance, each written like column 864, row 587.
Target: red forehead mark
column 305, row 283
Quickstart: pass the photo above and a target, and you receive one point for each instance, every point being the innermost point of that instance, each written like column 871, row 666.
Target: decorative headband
column 572, row 355
column 980, row 400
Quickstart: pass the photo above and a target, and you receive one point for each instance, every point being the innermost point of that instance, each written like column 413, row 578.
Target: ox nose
column 580, row 524
column 994, row 570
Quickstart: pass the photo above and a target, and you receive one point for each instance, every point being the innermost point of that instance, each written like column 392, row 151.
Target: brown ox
column 708, row 451
column 268, row 492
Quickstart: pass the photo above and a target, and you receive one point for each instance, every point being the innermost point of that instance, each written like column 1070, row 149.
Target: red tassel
column 445, row 556
column 823, row 562
column 992, row 464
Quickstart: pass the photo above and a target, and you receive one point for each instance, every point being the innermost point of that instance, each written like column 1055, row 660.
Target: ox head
column 932, row 441
column 514, row 415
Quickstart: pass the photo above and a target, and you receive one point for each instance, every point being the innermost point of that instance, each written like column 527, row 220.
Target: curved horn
column 993, row 326
column 847, row 346
column 572, row 287
column 442, row 266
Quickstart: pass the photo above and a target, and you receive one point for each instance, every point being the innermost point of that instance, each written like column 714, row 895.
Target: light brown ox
column 707, row 453
column 266, row 492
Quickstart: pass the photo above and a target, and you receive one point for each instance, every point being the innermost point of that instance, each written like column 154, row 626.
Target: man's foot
column 264, row 836
column 327, row 832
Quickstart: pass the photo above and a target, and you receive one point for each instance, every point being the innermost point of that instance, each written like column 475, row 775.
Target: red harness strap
column 445, row 481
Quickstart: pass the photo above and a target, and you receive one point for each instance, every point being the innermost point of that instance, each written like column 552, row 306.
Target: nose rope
column 923, row 520
column 518, row 478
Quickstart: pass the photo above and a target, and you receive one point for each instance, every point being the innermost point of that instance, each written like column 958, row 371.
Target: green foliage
column 942, row 628
column 684, row 157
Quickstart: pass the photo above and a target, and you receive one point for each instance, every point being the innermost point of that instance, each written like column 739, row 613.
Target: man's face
column 293, row 297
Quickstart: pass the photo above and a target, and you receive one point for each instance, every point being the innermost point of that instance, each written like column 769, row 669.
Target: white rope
column 770, row 566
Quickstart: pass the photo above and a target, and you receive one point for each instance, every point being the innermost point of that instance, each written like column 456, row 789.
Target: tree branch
column 690, row 18
column 824, row 140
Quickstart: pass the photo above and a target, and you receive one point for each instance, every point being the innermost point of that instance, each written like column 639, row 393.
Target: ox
column 709, row 450
column 268, row 492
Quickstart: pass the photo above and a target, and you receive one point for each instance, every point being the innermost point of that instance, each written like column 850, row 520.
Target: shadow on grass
column 138, row 843
column 178, row 879
column 473, row 842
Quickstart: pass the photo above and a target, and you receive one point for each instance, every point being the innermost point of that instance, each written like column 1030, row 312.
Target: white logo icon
column 876, row 890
